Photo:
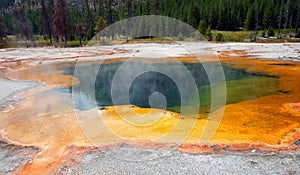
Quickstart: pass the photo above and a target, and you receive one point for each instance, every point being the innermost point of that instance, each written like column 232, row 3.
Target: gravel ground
column 277, row 51
column 145, row 161
column 9, row 88
column 12, row 157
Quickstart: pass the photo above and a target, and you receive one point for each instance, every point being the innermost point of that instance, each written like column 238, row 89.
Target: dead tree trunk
column 110, row 18
column 297, row 19
column 286, row 15
column 129, row 11
column 100, row 8
column 46, row 21
column 23, row 22
column 88, row 20
column 257, row 13
column 280, row 16
column 291, row 24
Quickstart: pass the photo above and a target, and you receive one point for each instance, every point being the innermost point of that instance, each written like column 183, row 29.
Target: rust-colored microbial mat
column 46, row 119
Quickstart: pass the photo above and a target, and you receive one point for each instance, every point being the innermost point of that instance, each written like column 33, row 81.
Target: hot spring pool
column 240, row 85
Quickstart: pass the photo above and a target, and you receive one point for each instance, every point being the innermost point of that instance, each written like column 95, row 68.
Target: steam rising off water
column 241, row 85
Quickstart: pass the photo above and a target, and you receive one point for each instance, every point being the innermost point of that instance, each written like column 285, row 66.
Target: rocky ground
column 279, row 51
column 148, row 161
column 12, row 157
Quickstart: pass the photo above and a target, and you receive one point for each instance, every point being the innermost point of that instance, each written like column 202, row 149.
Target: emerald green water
column 238, row 90
column 240, row 85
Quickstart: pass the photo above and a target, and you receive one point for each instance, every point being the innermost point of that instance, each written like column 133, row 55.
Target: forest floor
column 41, row 134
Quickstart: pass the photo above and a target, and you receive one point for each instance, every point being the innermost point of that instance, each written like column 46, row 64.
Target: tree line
column 63, row 20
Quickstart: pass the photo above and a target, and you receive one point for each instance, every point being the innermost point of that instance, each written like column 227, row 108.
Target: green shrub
column 208, row 34
column 202, row 28
column 220, row 37
column 262, row 33
column 271, row 31
column 197, row 35
column 73, row 44
column 180, row 37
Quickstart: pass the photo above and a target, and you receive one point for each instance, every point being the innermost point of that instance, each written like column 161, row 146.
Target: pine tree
column 61, row 20
column 100, row 24
column 208, row 34
column 110, row 18
column 219, row 14
column 129, row 8
column 222, row 18
column 270, row 31
column 50, row 11
column 89, row 21
column 194, row 17
column 100, row 27
column 46, row 21
column 3, row 28
column 100, row 8
column 155, row 7
column 257, row 10
column 267, row 17
column 291, row 22
column 202, row 27
column 20, row 13
column 280, row 16
column 287, row 8
column 250, row 19
column 81, row 31
column 297, row 19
